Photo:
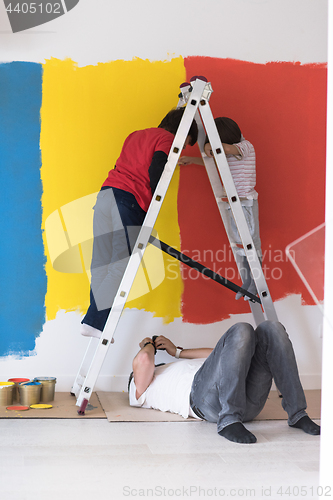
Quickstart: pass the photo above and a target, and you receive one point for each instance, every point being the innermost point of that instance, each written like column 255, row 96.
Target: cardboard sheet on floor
column 114, row 406
column 63, row 406
column 273, row 409
column 117, row 409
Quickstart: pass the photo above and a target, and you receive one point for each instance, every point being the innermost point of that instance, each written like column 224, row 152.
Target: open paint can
column 48, row 388
column 6, row 393
column 30, row 393
column 17, row 381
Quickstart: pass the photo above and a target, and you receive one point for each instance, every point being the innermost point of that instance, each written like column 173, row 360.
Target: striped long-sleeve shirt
column 243, row 170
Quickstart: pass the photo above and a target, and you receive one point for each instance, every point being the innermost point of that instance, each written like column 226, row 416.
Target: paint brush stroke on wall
column 280, row 108
column 87, row 113
column 23, row 279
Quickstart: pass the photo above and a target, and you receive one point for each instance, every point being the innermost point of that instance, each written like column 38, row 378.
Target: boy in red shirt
column 120, row 210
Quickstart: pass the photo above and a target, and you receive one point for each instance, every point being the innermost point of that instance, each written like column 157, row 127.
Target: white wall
column 326, row 479
column 103, row 30
column 252, row 30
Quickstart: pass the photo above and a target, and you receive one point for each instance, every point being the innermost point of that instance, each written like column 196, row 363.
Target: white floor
column 95, row 459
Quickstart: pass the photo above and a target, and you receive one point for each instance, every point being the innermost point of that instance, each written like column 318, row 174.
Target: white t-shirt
column 170, row 388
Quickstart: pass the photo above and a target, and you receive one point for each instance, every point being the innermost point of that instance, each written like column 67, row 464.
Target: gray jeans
column 234, row 382
column 251, row 213
column 117, row 222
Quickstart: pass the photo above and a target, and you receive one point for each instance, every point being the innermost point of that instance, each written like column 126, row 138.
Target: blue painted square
column 22, row 275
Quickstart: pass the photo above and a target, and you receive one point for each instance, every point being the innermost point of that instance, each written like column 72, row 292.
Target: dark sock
column 236, row 432
column 307, row 425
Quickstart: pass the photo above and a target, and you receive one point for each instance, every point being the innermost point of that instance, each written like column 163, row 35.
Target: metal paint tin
column 30, row 393
column 48, row 388
column 6, row 393
column 17, row 381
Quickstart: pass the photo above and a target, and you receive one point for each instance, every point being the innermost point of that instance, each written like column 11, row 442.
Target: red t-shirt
column 132, row 167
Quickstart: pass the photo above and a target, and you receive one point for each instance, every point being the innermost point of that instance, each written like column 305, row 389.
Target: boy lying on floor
column 228, row 385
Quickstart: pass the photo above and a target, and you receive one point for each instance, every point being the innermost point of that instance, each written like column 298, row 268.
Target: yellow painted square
column 87, row 112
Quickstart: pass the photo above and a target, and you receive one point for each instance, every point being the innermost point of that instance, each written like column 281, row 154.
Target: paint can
column 48, row 388
column 17, row 381
column 6, row 393
column 30, row 393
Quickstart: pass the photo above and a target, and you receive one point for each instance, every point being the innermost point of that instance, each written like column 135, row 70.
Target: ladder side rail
column 141, row 244
column 257, row 313
column 216, row 184
column 237, row 211
column 256, row 308
column 83, row 370
column 212, row 173
column 211, row 170
column 217, row 187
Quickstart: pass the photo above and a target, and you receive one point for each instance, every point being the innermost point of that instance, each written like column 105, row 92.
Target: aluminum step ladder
column 195, row 96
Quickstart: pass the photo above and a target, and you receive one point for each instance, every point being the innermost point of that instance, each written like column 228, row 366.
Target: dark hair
column 228, row 130
column 171, row 123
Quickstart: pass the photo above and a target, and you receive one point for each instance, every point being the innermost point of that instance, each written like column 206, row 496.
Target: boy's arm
column 144, row 361
column 200, row 352
column 164, row 343
column 229, row 149
column 190, row 160
column 156, row 169
column 144, row 366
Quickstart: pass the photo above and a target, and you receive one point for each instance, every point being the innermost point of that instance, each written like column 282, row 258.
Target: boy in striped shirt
column 241, row 159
